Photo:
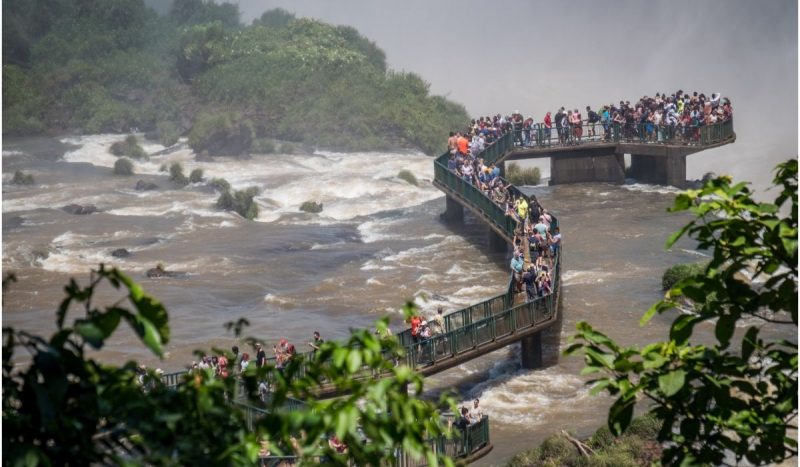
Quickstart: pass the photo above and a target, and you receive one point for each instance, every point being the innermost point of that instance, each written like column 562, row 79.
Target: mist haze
column 531, row 57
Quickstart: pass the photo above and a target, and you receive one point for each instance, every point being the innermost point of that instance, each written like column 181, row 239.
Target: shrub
column 167, row 133
column 287, row 148
column 677, row 272
column 518, row 176
column 220, row 184
column 263, row 146
column 407, row 176
column 196, row 176
column 163, row 168
column 311, row 206
column 123, row 166
column 21, row 178
column 176, row 174
column 241, row 202
column 130, row 148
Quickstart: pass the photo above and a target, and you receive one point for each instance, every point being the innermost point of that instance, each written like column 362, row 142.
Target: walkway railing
column 464, row 444
column 640, row 133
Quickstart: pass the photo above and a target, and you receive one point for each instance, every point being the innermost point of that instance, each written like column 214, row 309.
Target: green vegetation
column 408, row 177
column 241, row 202
column 85, row 66
column 114, row 419
column 717, row 400
column 177, row 176
column 196, row 176
column 678, row 272
column 263, row 146
column 220, row 184
column 123, row 166
column 21, row 178
column 637, row 447
column 518, row 176
column 286, row 148
column 129, row 147
column 311, row 206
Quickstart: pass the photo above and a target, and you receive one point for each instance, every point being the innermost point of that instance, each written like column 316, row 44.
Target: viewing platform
column 657, row 157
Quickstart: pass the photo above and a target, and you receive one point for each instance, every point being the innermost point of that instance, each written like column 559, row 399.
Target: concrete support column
column 532, row 351
column 589, row 168
column 660, row 170
column 454, row 213
column 496, row 242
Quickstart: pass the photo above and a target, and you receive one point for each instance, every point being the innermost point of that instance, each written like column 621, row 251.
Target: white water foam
column 524, row 397
column 646, row 188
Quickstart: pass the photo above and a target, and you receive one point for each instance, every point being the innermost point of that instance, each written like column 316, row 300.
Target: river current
column 378, row 242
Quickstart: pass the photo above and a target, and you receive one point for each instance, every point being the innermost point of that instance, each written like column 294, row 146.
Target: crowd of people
column 678, row 116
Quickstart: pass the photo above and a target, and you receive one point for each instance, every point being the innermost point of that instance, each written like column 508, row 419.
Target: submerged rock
column 159, row 271
column 141, row 185
column 80, row 210
column 121, row 253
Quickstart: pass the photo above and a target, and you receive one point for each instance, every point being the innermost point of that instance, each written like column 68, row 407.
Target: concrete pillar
column 660, row 170
column 532, row 351
column 577, row 169
column 497, row 242
column 454, row 213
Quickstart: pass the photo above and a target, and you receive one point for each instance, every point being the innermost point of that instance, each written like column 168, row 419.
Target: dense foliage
column 636, row 447
column 240, row 201
column 67, row 408
column 676, row 273
column 129, row 147
column 109, row 66
column 519, row 176
column 123, row 166
column 716, row 402
column 21, row 178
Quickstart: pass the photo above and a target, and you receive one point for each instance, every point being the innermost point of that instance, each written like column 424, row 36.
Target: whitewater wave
column 525, row 397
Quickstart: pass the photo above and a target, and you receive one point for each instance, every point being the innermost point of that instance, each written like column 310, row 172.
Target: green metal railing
column 642, row 133
column 462, row 444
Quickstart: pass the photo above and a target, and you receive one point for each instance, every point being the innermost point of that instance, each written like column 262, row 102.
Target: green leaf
column 620, row 414
column 90, row 333
column 726, row 324
column 672, row 382
column 353, row 361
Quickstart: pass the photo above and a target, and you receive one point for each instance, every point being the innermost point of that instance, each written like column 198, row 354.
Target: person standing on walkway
column 261, row 356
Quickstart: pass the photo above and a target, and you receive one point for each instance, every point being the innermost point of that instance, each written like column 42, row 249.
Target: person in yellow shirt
column 522, row 208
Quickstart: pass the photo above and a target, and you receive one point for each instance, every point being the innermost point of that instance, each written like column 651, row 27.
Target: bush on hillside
column 167, row 133
column 123, row 166
column 196, row 176
column 679, row 271
column 287, row 148
column 408, row 177
column 21, row 178
column 176, row 174
column 518, row 176
column 637, row 446
column 263, row 146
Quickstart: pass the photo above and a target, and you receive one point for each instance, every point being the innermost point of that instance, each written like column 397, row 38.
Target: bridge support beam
column 454, row 212
column 587, row 168
column 496, row 242
column 532, row 351
column 660, row 170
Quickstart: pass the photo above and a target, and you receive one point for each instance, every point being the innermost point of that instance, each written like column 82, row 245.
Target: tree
column 67, row 408
column 715, row 402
